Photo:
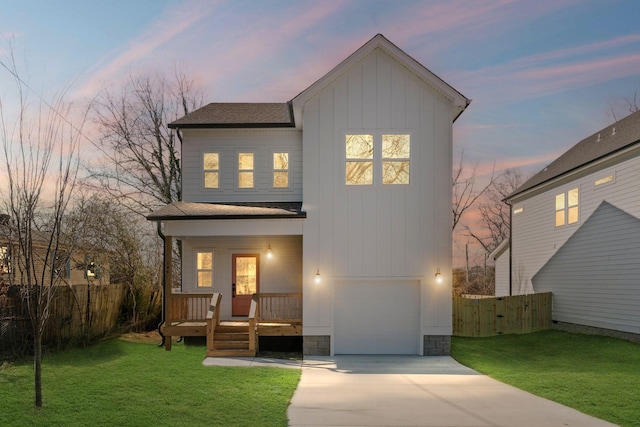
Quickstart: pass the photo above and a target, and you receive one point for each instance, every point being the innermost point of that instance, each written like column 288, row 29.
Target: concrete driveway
column 416, row 391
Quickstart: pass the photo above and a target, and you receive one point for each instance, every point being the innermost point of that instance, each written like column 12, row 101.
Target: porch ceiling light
column 269, row 252
column 318, row 279
column 438, row 276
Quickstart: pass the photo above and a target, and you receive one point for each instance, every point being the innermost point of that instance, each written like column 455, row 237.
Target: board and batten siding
column 228, row 143
column 538, row 247
column 377, row 231
column 282, row 273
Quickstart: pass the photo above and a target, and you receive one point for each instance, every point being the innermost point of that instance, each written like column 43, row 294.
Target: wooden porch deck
column 199, row 315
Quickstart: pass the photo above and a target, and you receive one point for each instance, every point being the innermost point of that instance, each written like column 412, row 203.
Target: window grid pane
column 573, row 197
column 359, row 147
column 395, row 172
column 395, row 146
column 245, row 180
column 359, row 173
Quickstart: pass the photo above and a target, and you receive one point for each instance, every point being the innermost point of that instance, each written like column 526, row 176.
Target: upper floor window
column 391, row 161
column 211, row 167
column 245, row 170
column 204, row 269
column 396, row 150
column 604, row 180
column 280, row 170
column 359, row 159
column 567, row 208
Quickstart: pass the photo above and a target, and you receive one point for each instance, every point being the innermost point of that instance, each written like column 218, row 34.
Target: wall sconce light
column 317, row 279
column 438, row 276
column 269, row 252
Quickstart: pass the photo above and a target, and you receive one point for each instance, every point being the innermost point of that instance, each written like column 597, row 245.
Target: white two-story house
column 340, row 197
column 575, row 231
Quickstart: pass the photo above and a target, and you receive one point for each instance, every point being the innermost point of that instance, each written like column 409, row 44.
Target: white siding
column 228, row 143
column 594, row 275
column 389, row 232
column 535, row 236
column 581, row 294
column 502, row 274
column 282, row 273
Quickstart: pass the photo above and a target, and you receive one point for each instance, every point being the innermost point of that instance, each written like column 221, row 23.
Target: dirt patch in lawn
column 152, row 337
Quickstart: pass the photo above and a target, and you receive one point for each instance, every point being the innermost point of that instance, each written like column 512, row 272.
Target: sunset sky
column 542, row 74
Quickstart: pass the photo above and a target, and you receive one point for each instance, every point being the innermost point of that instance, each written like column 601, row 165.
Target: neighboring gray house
column 347, row 186
column 576, row 232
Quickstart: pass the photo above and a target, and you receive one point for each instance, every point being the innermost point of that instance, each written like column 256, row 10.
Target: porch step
column 231, row 341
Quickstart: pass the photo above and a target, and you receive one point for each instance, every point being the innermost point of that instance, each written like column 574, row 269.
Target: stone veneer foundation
column 316, row 345
column 437, row 345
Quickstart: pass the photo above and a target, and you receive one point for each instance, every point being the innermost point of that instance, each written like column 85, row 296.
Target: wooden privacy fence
column 84, row 312
column 501, row 315
column 77, row 312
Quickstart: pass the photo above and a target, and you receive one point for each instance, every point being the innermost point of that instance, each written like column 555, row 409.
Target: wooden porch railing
column 188, row 307
column 279, row 308
column 213, row 319
column 253, row 339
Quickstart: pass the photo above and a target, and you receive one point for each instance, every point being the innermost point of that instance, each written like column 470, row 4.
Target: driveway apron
column 417, row 391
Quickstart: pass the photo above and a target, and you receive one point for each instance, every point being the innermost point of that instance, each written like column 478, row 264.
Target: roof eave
column 301, row 215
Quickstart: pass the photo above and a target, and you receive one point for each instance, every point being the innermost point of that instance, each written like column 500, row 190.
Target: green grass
column 133, row 384
column 599, row 376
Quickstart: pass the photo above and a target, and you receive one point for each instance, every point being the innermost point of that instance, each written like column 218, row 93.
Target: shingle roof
column 613, row 138
column 192, row 210
column 237, row 115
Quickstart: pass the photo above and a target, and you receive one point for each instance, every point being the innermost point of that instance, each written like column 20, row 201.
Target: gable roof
column 610, row 140
column 379, row 41
column 238, row 115
column 287, row 114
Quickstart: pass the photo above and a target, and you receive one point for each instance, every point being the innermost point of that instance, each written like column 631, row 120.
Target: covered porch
column 241, row 273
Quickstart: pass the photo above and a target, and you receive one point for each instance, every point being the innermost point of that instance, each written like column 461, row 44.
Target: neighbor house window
column 245, row 170
column 567, row 208
column 604, row 180
column 359, row 159
column 211, row 166
column 395, row 159
column 280, row 170
column 4, row 260
column 204, row 269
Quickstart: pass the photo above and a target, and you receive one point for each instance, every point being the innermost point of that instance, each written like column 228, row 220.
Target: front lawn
column 599, row 376
column 132, row 384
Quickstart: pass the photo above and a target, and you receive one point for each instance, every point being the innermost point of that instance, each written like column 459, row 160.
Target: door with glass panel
column 245, row 282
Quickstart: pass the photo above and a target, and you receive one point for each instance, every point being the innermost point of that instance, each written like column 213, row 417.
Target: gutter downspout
column 164, row 284
column 180, row 139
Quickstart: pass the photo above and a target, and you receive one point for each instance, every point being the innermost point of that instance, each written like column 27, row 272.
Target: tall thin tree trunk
column 37, row 365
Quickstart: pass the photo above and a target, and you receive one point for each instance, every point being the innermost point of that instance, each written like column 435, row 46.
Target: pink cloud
column 173, row 22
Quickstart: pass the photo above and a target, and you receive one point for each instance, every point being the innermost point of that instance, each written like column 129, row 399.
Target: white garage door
column 376, row 317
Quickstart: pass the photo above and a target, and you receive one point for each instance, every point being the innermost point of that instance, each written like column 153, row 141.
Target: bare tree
column 494, row 213
column 465, row 193
column 128, row 249
column 40, row 155
column 139, row 164
column 630, row 106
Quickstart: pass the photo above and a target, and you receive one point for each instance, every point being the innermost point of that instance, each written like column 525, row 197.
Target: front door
column 246, row 282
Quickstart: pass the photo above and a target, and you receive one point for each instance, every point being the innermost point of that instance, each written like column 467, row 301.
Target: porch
column 270, row 314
